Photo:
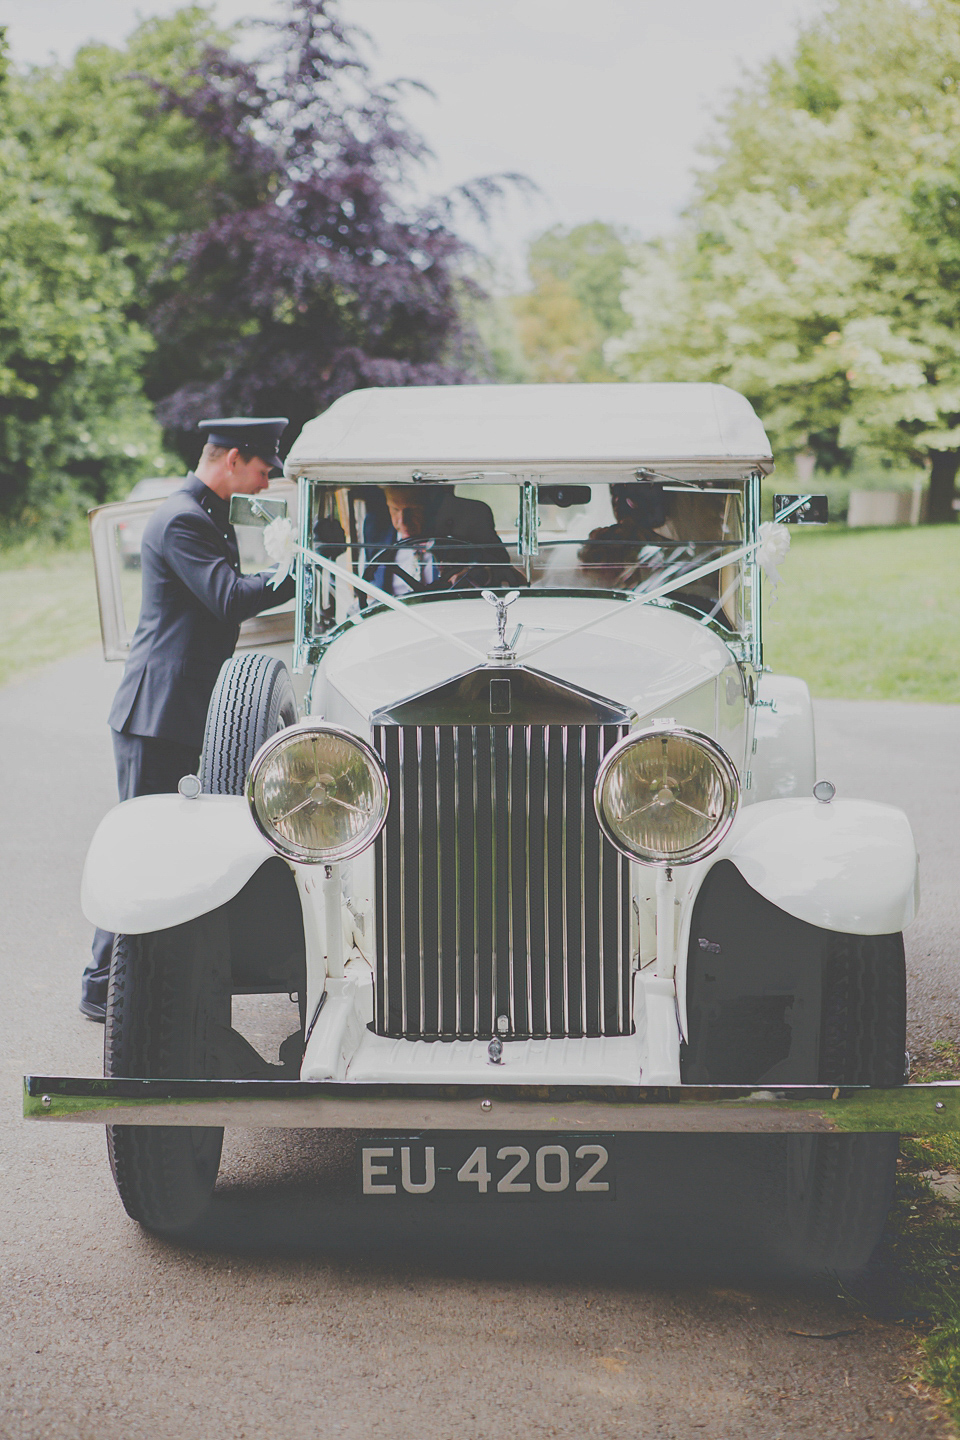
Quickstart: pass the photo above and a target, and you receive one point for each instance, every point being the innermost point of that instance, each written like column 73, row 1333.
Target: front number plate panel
column 464, row 1165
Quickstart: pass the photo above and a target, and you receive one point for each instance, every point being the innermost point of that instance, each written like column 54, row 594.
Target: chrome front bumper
column 295, row 1104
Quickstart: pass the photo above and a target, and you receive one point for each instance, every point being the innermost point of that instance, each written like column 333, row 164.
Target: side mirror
column 800, row 509
column 251, row 510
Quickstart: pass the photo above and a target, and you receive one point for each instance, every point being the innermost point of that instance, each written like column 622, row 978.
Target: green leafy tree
column 134, row 171
column 72, row 416
column 573, row 306
column 817, row 269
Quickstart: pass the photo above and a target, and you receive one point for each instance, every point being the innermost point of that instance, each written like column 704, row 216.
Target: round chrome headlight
column 318, row 793
column 666, row 797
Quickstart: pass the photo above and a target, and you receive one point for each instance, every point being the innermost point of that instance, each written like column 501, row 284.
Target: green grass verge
column 921, row 1247
column 869, row 614
column 48, row 601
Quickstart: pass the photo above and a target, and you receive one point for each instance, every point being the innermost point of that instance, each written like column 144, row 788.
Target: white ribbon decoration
column 677, row 583
column 772, row 551
column 413, row 612
column 769, row 550
column 281, row 547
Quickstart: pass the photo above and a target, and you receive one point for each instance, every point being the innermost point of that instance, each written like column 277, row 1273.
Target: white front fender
column 161, row 860
column 850, row 865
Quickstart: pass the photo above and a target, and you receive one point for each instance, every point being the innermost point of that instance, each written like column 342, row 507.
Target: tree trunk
column 943, row 471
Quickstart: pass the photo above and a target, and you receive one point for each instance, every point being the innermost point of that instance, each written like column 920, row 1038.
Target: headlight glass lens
column 318, row 793
column 666, row 796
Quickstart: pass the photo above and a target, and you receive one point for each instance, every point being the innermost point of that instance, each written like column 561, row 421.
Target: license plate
column 472, row 1166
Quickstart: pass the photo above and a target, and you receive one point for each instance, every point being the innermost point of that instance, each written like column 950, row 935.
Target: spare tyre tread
column 252, row 700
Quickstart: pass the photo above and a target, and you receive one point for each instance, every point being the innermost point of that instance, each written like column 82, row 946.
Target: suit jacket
column 454, row 518
column 194, row 598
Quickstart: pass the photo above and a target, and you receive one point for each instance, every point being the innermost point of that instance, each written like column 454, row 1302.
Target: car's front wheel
column 839, row 1187
column 775, row 1001
column 168, row 1007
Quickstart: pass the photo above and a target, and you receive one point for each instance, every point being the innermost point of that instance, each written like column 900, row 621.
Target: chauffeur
column 194, row 598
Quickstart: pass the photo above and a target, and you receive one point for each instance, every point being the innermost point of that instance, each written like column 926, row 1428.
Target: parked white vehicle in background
column 544, row 859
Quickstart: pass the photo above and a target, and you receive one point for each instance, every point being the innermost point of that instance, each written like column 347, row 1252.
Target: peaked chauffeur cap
column 255, row 435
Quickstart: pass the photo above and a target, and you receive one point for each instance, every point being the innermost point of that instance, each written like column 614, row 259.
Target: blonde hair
column 214, row 452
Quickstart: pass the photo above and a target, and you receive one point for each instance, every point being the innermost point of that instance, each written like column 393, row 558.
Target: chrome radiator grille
column 497, row 893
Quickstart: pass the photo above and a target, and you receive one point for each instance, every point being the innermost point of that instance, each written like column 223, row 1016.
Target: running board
column 296, row 1104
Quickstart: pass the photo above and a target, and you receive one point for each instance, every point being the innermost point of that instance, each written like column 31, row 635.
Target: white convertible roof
column 439, row 431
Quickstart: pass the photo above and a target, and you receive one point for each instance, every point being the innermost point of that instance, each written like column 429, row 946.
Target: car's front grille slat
column 497, row 894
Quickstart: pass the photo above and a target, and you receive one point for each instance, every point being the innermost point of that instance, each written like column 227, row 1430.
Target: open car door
column 115, row 534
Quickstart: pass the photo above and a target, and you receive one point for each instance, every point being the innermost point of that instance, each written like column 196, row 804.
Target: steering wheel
column 469, row 576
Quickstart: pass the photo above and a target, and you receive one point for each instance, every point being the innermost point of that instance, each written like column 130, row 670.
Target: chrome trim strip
column 585, row 818
column 564, row 877
column 403, row 890
column 528, row 746
column 476, row 891
column 456, row 884
column 420, row 935
column 510, row 732
column 537, row 697
column 931, row 1109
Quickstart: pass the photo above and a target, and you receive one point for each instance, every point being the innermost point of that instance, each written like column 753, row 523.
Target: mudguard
column 161, row 860
column 850, row 865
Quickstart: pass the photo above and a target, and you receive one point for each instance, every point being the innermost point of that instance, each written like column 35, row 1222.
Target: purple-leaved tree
column 325, row 278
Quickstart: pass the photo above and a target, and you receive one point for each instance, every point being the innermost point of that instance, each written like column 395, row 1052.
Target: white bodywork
column 652, row 661
column 161, row 860
column 846, row 866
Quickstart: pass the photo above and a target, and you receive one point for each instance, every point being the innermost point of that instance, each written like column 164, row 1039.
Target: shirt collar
column 217, row 509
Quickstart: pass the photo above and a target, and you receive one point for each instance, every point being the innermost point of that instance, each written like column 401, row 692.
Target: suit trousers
column 146, row 765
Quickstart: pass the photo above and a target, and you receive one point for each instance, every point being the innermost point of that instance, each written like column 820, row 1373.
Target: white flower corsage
column 279, row 544
column 772, row 551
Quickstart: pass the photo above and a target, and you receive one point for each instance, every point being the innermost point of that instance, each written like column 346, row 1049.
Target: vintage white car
column 541, row 850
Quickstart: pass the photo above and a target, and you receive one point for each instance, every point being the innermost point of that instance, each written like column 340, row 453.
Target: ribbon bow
column 772, row 551
column 281, row 547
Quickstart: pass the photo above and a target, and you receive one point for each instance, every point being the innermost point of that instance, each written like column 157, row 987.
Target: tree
column 72, row 416
column 573, row 306
column 326, row 280
column 816, row 271
column 101, row 116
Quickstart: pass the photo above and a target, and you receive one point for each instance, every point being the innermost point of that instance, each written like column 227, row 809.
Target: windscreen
column 625, row 537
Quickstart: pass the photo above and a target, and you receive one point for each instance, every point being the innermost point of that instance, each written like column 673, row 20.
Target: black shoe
column 93, row 1011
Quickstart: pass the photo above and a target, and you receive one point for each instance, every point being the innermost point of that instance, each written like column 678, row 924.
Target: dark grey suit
column 194, row 598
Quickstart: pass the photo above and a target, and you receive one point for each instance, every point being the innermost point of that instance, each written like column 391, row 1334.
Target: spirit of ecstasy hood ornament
column 502, row 650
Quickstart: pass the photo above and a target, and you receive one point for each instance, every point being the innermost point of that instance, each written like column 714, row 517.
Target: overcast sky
column 601, row 103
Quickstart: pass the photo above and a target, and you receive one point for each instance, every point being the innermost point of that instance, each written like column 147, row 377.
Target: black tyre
column 839, row 1187
column 168, row 1006
column 252, row 699
column 774, row 1001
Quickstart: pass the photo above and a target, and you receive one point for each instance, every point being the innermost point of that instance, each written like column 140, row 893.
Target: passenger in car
column 428, row 538
column 640, row 513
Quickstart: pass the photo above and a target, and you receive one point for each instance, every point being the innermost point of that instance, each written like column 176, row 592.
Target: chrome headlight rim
column 289, row 849
column 729, row 777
